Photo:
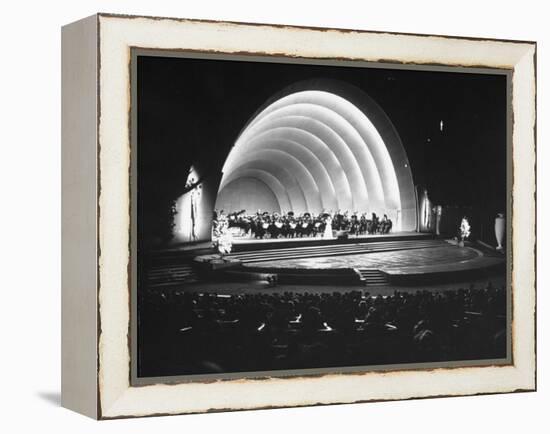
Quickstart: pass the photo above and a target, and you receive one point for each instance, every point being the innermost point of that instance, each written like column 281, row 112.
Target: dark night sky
column 192, row 109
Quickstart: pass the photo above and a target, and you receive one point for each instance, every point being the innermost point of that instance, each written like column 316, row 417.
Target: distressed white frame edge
column 79, row 99
column 117, row 397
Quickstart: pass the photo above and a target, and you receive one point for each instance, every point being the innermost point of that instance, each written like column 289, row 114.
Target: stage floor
column 427, row 258
column 380, row 260
column 445, row 258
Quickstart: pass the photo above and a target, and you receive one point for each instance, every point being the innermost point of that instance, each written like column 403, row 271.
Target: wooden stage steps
column 373, row 277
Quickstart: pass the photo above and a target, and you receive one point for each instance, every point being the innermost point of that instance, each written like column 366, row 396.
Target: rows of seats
column 196, row 333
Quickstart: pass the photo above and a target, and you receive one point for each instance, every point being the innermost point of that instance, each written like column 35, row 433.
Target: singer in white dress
column 328, row 228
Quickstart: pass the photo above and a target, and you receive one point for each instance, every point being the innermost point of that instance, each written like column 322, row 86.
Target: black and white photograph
column 296, row 217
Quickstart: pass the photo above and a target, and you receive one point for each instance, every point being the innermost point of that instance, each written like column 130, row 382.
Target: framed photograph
column 261, row 216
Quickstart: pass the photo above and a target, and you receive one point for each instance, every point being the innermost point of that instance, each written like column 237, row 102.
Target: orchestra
column 262, row 225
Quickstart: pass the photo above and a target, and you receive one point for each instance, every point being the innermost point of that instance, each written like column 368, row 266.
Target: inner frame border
column 136, row 52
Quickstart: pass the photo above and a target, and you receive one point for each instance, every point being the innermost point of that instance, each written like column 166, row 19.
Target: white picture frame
column 96, row 293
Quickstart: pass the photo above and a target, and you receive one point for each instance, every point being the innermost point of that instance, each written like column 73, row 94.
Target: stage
column 379, row 260
column 412, row 265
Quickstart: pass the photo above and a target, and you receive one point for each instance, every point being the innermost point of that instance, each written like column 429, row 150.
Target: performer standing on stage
column 195, row 195
column 328, row 227
column 425, row 212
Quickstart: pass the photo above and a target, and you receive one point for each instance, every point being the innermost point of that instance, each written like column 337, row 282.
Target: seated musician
column 305, row 226
column 363, row 224
column 278, row 228
column 317, row 226
column 375, row 223
column 354, row 225
column 260, row 228
column 385, row 225
column 265, row 226
column 292, row 228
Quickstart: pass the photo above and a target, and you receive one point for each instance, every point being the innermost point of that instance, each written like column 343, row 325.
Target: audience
column 197, row 333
